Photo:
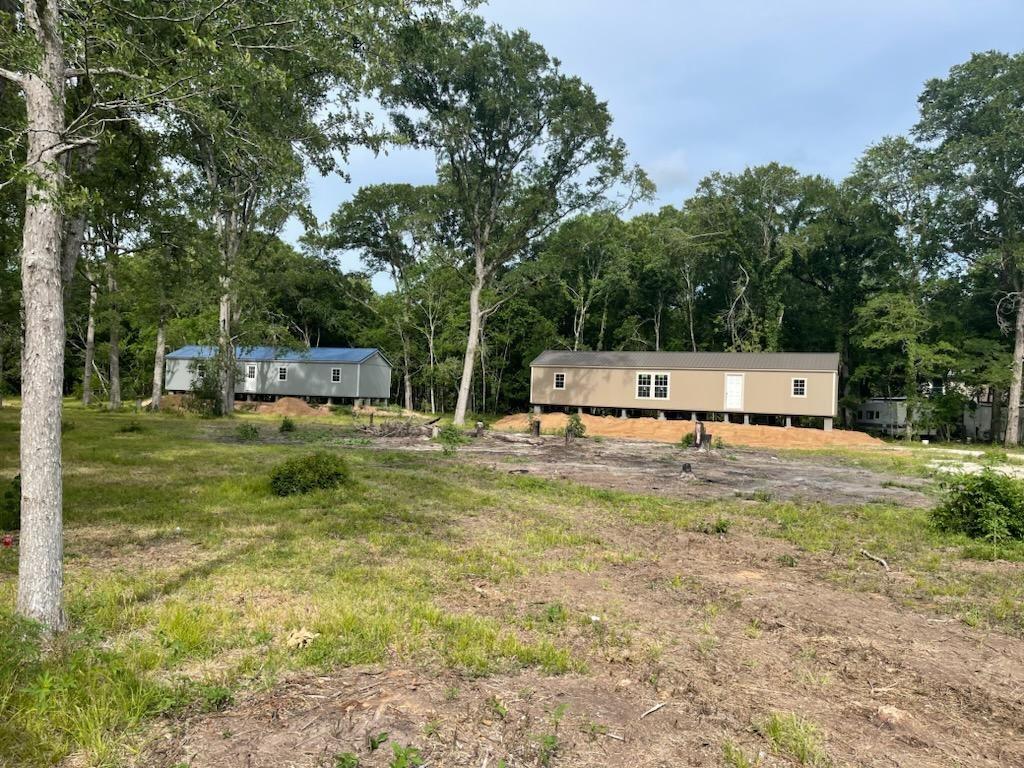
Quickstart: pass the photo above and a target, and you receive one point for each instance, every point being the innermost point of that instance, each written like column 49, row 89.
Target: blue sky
column 697, row 86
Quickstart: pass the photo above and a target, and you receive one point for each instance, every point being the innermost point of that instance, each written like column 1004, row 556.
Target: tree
column 391, row 226
column 520, row 146
column 972, row 122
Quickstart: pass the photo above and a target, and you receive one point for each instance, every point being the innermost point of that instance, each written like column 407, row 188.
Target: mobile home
column 738, row 384
column 334, row 374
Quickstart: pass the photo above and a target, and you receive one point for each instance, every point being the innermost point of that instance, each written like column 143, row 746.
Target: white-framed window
column 250, row 372
column 559, row 381
column 661, row 386
column 799, row 387
column 651, row 386
column 335, row 375
column 282, row 373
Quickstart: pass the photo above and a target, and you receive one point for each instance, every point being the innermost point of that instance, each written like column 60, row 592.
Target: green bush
column 317, row 471
column 130, row 427
column 10, row 506
column 987, row 506
column 574, row 428
column 287, row 425
column 450, row 437
column 688, row 440
column 248, row 432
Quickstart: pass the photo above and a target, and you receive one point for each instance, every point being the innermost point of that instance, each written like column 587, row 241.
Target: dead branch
column 878, row 560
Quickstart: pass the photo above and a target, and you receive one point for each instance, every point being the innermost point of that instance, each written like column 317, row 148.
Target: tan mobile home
column 782, row 384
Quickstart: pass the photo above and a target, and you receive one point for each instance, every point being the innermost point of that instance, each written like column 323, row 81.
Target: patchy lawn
column 477, row 616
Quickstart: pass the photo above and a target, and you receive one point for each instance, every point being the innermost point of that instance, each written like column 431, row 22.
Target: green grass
column 185, row 574
column 796, row 737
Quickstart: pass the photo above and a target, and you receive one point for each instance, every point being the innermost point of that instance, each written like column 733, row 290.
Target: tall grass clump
column 317, row 471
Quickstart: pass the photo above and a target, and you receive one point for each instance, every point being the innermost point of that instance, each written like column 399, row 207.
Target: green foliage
column 405, row 757
column 734, row 757
column 574, row 428
column 10, row 505
column 130, row 427
column 688, row 440
column 318, row 471
column 988, row 505
column 346, row 760
column 205, row 397
column 287, row 425
column 247, row 432
column 719, row 526
column 450, row 438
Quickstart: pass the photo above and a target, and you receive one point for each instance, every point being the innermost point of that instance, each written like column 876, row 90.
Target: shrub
column 720, row 526
column 987, row 506
column 10, row 506
column 131, row 426
column 317, row 471
column 287, row 425
column 574, row 428
column 248, row 432
column 688, row 440
column 205, row 398
column 450, row 437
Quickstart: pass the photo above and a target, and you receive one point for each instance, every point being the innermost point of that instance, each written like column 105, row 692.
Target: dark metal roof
column 267, row 354
column 710, row 361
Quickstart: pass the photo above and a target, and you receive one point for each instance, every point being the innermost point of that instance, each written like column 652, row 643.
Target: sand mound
column 287, row 406
column 669, row 431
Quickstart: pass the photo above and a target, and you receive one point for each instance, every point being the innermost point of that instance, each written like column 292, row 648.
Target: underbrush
column 302, row 474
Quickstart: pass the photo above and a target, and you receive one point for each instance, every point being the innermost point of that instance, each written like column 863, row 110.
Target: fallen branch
column 653, row 709
column 614, row 736
column 878, row 560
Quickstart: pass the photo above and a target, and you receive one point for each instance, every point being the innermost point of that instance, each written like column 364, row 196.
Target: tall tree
column 972, row 122
column 520, row 146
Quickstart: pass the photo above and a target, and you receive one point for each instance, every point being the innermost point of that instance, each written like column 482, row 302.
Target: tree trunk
column 604, row 323
column 115, row 339
column 472, row 343
column 995, row 426
column 158, row 366
column 40, row 560
column 227, row 349
column 1013, row 406
column 90, row 344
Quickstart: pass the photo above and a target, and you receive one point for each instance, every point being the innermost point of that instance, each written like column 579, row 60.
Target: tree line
column 154, row 151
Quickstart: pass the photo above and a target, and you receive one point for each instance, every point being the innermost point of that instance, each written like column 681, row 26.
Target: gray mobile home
column 741, row 384
column 334, row 374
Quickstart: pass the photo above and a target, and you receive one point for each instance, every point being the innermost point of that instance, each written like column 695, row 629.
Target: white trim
column 835, row 393
column 725, row 390
column 554, row 381
column 653, row 374
column 250, row 371
column 792, row 386
column 333, row 372
column 359, row 370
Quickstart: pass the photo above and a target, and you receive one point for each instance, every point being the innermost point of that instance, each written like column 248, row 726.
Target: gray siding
column 369, row 379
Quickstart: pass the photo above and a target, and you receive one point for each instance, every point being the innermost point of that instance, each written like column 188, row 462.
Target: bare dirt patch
column 646, row 467
column 672, row 431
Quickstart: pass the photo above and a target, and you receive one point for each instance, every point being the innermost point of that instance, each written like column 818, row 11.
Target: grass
column 796, row 737
column 185, row 575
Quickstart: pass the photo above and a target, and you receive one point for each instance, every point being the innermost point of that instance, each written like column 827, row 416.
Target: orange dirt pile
column 672, row 431
column 288, row 406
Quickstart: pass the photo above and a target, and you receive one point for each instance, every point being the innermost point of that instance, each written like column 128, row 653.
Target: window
column 282, row 374
column 878, row 414
column 643, row 386
column 559, row 381
column 335, row 375
column 250, row 371
column 652, row 386
column 799, row 387
column 661, row 386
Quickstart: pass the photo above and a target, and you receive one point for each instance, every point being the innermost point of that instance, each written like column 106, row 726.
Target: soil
column 672, row 431
column 687, row 646
column 288, row 406
column 650, row 467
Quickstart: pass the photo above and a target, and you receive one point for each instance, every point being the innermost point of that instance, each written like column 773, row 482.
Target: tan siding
column 768, row 392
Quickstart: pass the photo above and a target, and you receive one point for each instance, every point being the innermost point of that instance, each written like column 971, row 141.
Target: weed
column 734, row 757
column 795, row 736
column 787, row 560
column 451, row 694
column 450, row 438
column 346, row 760
column 763, row 496
column 688, row 440
column 574, row 428
column 547, row 746
column 130, row 427
column 247, row 432
column 318, row 471
column 374, row 741
column 593, row 730
column 287, row 425
column 753, row 629
column 719, row 526
column 718, row 443
column 497, row 707
column 405, row 757
column 432, row 728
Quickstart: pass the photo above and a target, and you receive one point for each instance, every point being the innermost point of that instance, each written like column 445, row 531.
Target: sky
column 696, row 86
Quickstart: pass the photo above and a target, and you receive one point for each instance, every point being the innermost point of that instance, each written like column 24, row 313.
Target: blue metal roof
column 255, row 354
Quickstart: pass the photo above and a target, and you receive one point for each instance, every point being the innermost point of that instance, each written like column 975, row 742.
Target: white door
column 734, row 391
column 250, row 378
